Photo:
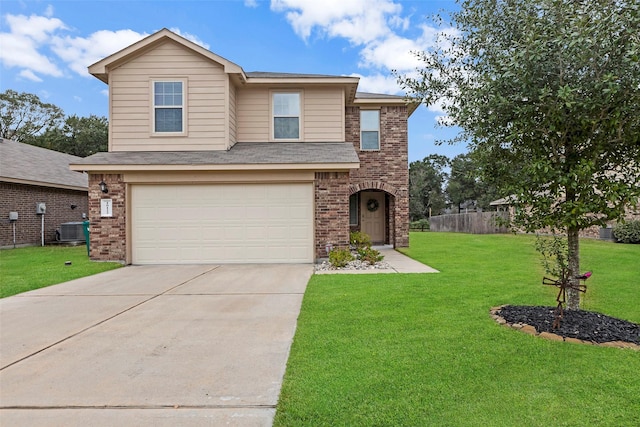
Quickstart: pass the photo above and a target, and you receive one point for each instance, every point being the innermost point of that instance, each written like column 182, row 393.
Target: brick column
column 332, row 211
column 107, row 234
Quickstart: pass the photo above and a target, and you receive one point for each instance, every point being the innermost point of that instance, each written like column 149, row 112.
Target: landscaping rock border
column 353, row 265
column 531, row 330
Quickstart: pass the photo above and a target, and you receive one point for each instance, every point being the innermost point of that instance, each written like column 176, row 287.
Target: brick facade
column 107, row 234
column 332, row 211
column 22, row 198
column 387, row 169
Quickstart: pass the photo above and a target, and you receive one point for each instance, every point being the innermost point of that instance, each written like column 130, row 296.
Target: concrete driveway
column 151, row 345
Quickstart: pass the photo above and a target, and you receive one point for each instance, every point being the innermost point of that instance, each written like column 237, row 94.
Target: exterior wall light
column 103, row 187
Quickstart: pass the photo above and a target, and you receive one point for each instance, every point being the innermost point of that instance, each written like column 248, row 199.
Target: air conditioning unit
column 72, row 232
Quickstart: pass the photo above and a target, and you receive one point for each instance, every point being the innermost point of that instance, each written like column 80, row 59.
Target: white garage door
column 222, row 223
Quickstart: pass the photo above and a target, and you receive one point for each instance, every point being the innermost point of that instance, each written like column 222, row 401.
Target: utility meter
column 13, row 216
column 41, row 208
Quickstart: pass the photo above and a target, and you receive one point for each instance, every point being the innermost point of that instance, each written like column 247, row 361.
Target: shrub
column 369, row 255
column 421, row 224
column 627, row 232
column 360, row 240
column 340, row 257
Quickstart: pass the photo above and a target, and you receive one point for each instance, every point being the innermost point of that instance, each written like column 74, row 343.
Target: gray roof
column 21, row 162
column 368, row 95
column 243, row 153
column 267, row 74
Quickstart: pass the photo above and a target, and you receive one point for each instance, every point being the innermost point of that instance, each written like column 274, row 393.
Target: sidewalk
column 398, row 263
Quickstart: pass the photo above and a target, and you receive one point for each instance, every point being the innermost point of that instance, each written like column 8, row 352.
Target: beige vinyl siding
column 253, row 114
column 132, row 106
column 322, row 114
column 232, row 116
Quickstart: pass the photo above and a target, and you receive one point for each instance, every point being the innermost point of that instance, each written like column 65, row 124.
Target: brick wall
column 107, row 234
column 23, row 198
column 386, row 169
column 332, row 211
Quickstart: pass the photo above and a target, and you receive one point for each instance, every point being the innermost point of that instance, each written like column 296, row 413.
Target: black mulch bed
column 580, row 324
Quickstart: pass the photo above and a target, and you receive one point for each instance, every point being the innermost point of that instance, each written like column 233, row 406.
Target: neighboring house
column 30, row 176
column 209, row 163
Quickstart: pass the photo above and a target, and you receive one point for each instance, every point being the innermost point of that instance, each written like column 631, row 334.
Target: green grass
column 421, row 349
column 25, row 269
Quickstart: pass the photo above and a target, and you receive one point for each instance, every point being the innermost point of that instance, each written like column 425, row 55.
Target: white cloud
column 251, row 3
column 359, row 21
column 41, row 45
column 105, row 92
column 190, row 37
column 377, row 27
column 391, row 53
column 28, row 74
column 20, row 46
column 378, row 83
column 80, row 52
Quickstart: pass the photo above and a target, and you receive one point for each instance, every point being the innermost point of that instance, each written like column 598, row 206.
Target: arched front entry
column 372, row 211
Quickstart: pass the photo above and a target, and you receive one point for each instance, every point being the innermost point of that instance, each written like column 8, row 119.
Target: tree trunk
column 573, row 240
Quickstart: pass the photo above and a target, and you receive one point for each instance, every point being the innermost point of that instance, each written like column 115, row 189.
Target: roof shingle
column 243, row 153
column 39, row 166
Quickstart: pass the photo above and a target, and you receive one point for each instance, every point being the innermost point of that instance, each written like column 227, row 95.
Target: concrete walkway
column 398, row 263
column 202, row 345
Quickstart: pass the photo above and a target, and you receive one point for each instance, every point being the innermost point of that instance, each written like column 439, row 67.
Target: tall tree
column 426, row 180
column 24, row 115
column 463, row 184
column 80, row 136
column 548, row 92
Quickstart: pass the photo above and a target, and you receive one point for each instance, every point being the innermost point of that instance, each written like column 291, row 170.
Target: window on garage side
column 168, row 107
column 353, row 209
column 369, row 129
column 286, row 116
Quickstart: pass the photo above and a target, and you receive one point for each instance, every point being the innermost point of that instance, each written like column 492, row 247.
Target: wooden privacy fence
column 474, row 223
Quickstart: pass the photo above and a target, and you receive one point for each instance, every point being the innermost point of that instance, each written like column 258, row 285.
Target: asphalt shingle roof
column 243, row 153
column 24, row 162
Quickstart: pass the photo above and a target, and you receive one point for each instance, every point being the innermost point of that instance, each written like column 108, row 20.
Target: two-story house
column 208, row 163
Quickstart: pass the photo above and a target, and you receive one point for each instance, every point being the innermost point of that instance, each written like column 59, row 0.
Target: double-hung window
column 168, row 107
column 369, row 129
column 286, row 115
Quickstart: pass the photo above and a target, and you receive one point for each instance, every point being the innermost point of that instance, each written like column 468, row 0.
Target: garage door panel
column 222, row 223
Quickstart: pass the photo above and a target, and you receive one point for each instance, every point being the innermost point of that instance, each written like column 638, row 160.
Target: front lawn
column 421, row 349
column 25, row 269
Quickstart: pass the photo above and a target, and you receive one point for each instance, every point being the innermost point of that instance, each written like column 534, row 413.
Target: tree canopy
column 547, row 92
column 426, row 180
column 24, row 115
column 25, row 118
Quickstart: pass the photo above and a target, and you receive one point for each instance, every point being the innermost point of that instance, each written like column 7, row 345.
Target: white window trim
column 369, row 130
column 272, row 137
column 153, row 107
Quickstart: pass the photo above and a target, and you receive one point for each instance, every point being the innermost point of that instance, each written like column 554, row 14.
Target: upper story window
column 286, row 115
column 369, row 129
column 168, row 107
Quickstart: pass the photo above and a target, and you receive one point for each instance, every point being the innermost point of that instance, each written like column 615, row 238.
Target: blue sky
column 46, row 46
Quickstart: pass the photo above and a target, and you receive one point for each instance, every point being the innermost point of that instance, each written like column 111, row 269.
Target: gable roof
column 252, row 155
column 27, row 164
column 101, row 68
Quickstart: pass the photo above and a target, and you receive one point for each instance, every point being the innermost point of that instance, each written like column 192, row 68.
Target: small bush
column 369, row 255
column 421, row 224
column 627, row 232
column 340, row 257
column 360, row 240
